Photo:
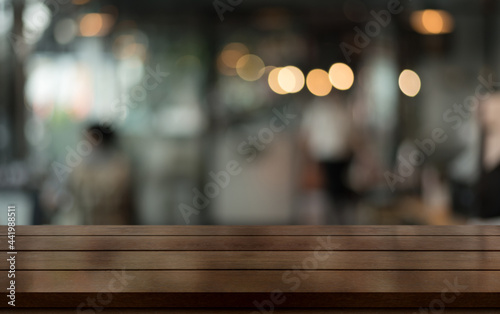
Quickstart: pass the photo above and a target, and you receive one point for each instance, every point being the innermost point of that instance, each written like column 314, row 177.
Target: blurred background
column 250, row 112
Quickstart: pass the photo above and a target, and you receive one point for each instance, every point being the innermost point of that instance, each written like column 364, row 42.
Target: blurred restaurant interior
column 240, row 112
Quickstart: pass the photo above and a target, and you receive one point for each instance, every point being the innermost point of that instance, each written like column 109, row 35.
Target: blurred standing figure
column 328, row 143
column 101, row 184
column 489, row 195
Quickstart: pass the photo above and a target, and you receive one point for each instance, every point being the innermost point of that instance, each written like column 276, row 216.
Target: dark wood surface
column 255, row 243
column 248, row 260
column 252, row 311
column 319, row 269
column 258, row 230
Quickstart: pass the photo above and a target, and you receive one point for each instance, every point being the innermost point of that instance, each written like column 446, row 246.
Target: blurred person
column 101, row 183
column 327, row 144
column 489, row 183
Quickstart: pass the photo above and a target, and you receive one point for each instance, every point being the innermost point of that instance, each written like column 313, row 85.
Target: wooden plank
column 467, row 230
column 251, row 243
column 252, row 300
column 209, row 266
column 165, row 260
column 241, row 281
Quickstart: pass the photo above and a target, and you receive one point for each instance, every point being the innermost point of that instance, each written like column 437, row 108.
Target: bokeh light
column 37, row 17
column 291, row 79
column 65, row 31
column 250, row 67
column 318, row 82
column 431, row 22
column 232, row 53
column 95, row 24
column 341, row 76
column 272, row 80
column 91, row 24
column 409, row 83
column 228, row 58
column 131, row 44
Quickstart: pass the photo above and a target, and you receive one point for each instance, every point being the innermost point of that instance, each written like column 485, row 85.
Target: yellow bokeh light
column 224, row 69
column 91, row 24
column 341, row 76
column 250, row 67
column 286, row 80
column 291, row 79
column 232, row 53
column 272, row 80
column 96, row 24
column 318, row 82
column 409, row 83
column 431, row 22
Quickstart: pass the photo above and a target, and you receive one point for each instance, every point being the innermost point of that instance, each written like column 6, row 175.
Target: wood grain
column 252, row 243
column 214, row 269
column 467, row 230
column 252, row 300
column 241, row 281
column 184, row 260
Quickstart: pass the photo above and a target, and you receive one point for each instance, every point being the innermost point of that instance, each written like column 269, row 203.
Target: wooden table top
column 247, row 269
